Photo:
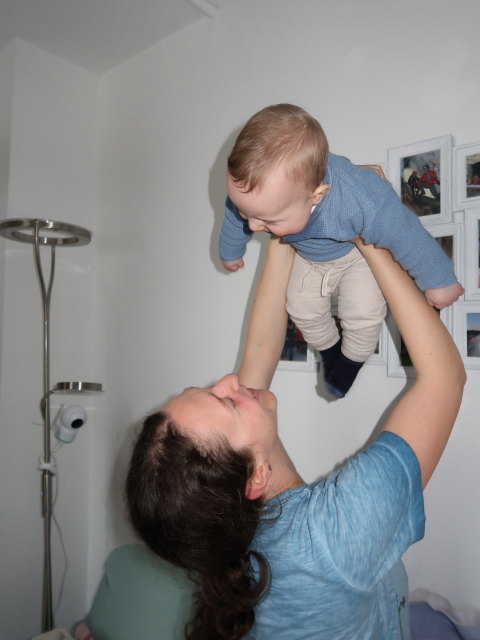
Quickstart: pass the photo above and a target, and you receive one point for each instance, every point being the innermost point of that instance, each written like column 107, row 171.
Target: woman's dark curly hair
column 187, row 502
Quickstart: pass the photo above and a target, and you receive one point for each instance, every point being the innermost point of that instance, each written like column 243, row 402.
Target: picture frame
column 398, row 360
column 467, row 332
column 297, row 355
column 420, row 173
column 472, row 254
column 398, row 366
column 380, row 355
column 467, row 176
column 451, row 237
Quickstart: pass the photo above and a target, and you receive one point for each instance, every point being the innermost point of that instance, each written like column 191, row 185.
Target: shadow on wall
column 217, row 193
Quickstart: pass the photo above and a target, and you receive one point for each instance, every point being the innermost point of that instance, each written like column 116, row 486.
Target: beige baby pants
column 361, row 306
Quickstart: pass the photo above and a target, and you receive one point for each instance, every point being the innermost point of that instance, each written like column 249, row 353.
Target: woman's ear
column 319, row 192
column 258, row 481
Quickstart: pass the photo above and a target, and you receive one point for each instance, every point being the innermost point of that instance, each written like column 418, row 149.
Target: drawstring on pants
column 325, row 280
column 305, row 277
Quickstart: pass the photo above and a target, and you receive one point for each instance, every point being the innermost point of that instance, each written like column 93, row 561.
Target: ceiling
column 98, row 34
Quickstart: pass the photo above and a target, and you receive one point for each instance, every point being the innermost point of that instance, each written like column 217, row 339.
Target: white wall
column 6, row 83
column 52, row 168
column 157, row 312
column 377, row 76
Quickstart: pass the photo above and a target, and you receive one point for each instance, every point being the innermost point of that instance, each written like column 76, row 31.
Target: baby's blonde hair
column 279, row 133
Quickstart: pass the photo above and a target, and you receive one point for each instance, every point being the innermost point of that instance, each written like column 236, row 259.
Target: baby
column 282, row 179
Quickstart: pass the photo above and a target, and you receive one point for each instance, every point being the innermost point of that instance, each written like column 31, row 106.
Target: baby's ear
column 257, row 483
column 319, row 192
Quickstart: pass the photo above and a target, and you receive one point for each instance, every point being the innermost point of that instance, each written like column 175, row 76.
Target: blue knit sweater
column 358, row 202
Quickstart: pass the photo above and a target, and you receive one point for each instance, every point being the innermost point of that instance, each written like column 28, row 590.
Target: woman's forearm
column 268, row 320
column 425, row 414
column 427, row 340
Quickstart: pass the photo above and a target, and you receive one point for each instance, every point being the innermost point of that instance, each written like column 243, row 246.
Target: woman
column 212, row 489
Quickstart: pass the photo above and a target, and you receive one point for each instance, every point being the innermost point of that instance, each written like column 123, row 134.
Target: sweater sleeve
column 391, row 225
column 234, row 234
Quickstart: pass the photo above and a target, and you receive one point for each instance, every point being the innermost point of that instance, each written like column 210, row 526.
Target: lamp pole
column 45, row 466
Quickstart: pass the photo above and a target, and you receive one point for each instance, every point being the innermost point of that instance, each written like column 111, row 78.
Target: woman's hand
column 376, row 167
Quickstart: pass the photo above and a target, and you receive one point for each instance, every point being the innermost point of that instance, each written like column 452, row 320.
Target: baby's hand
column 444, row 296
column 233, row 265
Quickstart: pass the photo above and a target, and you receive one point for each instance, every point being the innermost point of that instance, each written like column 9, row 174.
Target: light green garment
column 140, row 596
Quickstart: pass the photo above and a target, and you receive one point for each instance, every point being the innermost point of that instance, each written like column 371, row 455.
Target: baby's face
column 280, row 206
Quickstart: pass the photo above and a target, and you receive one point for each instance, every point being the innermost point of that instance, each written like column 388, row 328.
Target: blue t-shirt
column 334, row 549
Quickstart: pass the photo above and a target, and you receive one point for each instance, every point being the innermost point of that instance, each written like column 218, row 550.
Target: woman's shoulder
column 387, row 461
column 388, row 454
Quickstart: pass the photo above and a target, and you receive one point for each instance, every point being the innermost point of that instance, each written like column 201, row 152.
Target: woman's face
column 245, row 417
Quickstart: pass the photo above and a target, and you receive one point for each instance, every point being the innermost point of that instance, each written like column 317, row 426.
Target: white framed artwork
column 399, row 364
column 472, row 254
column 420, row 173
column 467, row 176
column 466, row 324
column 398, row 361
column 450, row 238
column 296, row 355
column 380, row 355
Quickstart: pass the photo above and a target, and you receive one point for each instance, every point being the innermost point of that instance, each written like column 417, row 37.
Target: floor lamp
column 52, row 234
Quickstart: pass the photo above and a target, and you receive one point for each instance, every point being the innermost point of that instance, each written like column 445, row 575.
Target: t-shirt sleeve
column 370, row 511
column 234, row 234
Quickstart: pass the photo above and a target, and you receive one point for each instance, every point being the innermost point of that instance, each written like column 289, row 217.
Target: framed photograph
column 421, row 175
column 399, row 364
column 467, row 176
column 450, row 238
column 296, row 354
column 467, row 332
column 380, row 355
column 472, row 254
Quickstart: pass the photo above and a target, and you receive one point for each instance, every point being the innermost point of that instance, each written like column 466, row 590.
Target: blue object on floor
column 428, row 624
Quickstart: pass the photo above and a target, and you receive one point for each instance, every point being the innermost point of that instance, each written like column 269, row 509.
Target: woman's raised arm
column 425, row 414
column 268, row 320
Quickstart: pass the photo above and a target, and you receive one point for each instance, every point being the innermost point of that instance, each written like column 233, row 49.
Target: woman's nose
column 255, row 225
column 227, row 383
